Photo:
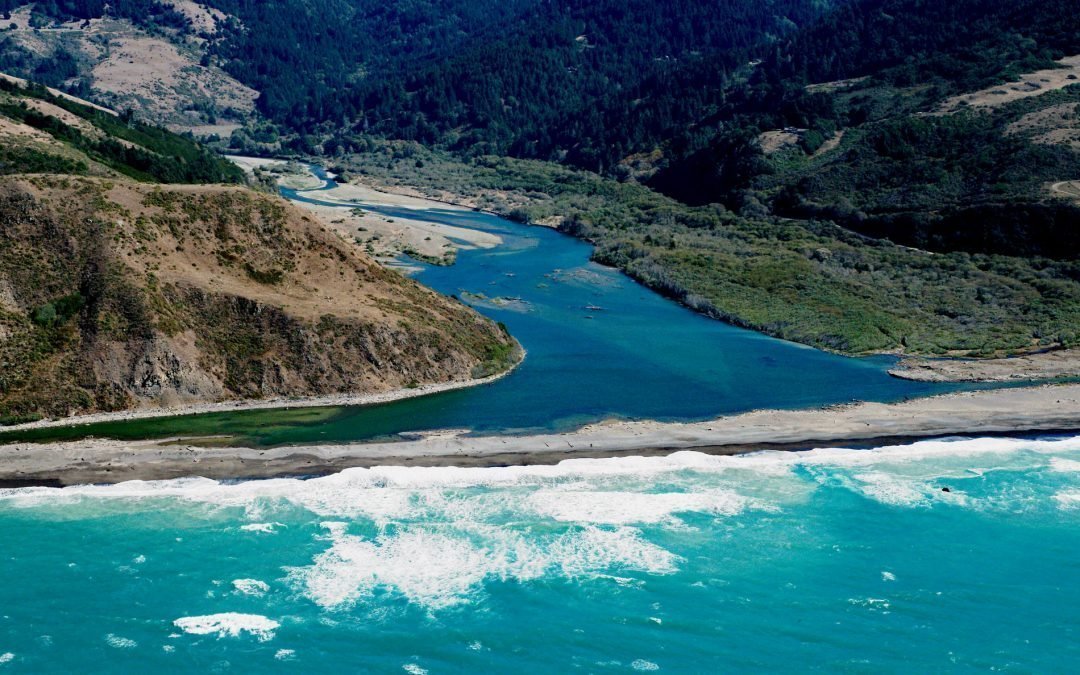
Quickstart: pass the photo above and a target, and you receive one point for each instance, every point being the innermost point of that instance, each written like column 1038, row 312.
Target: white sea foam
column 871, row 603
column 1068, row 499
column 414, row 669
column 593, row 550
column 432, row 569
column 888, row 489
column 285, row 654
column 1062, row 465
column 6, row 657
column 250, row 586
column 118, row 642
column 623, row 507
column 263, row 528
column 438, row 568
column 229, row 624
column 643, row 665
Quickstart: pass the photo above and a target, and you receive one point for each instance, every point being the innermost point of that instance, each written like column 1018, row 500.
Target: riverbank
column 1047, row 408
column 861, row 309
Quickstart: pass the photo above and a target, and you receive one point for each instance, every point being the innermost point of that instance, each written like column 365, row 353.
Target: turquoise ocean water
column 829, row 560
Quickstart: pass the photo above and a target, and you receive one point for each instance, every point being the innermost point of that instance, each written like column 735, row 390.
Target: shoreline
column 1046, row 409
column 276, row 403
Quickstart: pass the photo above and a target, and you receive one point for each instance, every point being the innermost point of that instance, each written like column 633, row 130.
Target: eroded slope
column 116, row 294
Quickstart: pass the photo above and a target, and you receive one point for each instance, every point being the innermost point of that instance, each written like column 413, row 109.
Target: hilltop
column 118, row 290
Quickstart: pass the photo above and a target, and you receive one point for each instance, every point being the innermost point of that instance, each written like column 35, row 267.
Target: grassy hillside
column 115, row 294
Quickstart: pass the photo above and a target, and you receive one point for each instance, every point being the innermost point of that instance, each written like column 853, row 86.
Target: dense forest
column 591, row 82
column 524, row 77
column 151, row 13
column 931, row 49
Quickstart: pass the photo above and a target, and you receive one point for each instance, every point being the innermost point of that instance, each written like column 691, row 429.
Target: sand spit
column 1047, row 408
column 1051, row 365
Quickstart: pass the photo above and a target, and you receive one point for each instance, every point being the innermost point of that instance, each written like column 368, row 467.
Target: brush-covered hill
column 117, row 293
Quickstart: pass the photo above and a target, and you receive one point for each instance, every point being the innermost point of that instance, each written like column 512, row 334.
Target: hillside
column 119, row 293
column 46, row 131
column 138, row 55
column 522, row 77
column 115, row 294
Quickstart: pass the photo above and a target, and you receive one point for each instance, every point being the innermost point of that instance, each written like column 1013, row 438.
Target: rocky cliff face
column 116, row 295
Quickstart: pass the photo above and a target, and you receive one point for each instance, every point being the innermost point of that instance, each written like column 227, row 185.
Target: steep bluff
column 115, row 294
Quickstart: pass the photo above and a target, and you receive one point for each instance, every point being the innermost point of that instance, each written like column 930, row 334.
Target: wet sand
column 1010, row 411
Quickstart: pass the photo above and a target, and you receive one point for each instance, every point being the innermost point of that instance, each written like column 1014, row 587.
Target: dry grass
column 776, row 140
column 1032, row 84
column 154, row 76
column 329, row 275
column 203, row 19
column 128, row 67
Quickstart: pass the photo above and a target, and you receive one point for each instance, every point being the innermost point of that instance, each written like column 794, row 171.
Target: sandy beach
column 1047, row 408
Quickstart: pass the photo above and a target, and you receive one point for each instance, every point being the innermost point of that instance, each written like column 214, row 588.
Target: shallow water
column 850, row 560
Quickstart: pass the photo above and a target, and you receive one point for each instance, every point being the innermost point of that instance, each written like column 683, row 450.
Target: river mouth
column 600, row 346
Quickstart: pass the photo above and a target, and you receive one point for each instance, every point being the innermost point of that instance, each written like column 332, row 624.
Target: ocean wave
column 229, row 624
column 602, row 491
column 118, row 642
column 644, row 666
column 1062, row 465
column 624, row 507
column 262, row 528
column 250, row 587
column 335, row 492
column 437, row 568
column 1068, row 499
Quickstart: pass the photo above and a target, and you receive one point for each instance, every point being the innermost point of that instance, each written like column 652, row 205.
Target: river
column 599, row 346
